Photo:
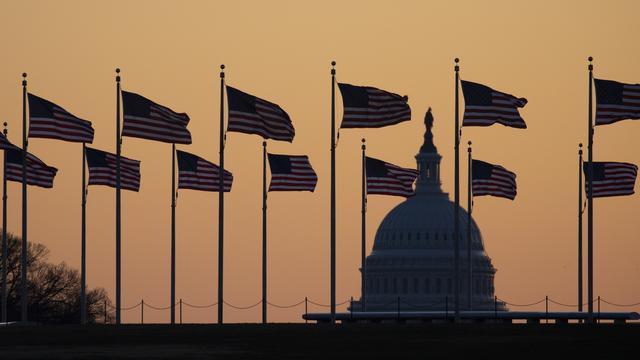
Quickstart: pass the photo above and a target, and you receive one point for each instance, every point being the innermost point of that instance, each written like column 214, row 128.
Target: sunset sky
column 170, row 51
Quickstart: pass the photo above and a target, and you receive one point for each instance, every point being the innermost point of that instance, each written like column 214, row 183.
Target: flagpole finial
column 24, row 79
column 590, row 62
column 221, row 71
column 264, row 144
column 333, row 67
column 364, row 146
column 457, row 67
column 4, row 131
column 580, row 151
column 117, row 74
column 469, row 146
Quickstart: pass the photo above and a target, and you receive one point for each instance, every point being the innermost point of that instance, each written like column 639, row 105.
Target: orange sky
column 170, row 51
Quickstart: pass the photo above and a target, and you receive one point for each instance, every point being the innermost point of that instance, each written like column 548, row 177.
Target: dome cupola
column 412, row 257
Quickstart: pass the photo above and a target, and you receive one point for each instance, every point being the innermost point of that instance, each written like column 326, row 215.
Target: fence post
column 306, row 312
column 105, row 312
column 446, row 308
column 398, row 309
column 142, row 311
column 598, row 310
column 351, row 308
column 546, row 309
column 180, row 311
column 495, row 308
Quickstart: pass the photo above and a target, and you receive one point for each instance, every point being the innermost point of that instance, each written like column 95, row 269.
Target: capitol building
column 412, row 261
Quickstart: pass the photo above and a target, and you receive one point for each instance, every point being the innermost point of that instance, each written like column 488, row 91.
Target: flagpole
column 83, row 242
column 590, row 199
column 23, row 262
column 5, row 251
column 264, row 232
column 469, row 210
column 221, row 202
column 173, row 233
column 456, row 210
column 363, row 267
column 333, row 193
column 118, row 202
column 580, row 228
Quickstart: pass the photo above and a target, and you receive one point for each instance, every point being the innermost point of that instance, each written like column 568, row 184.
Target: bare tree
column 54, row 289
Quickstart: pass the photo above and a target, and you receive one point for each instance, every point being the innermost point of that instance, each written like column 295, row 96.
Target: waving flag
column 38, row 173
column 48, row 120
column 484, row 106
column 5, row 144
column 611, row 178
column 368, row 107
column 145, row 119
column 197, row 173
column 492, row 180
column 616, row 101
column 387, row 179
column 291, row 173
column 102, row 170
column 251, row 115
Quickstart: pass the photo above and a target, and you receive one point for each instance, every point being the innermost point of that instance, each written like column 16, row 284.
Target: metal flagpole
column 173, row 233
column 456, row 210
column 264, row 232
column 5, row 251
column 590, row 199
column 363, row 267
column 83, row 242
column 469, row 210
column 580, row 228
column 333, row 192
column 23, row 258
column 221, row 202
column 118, row 201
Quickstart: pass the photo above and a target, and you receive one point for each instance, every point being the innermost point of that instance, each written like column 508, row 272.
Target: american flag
column 291, row 173
column 384, row 178
column 611, row 178
column 368, row 107
column 197, row 173
column 102, row 170
column 48, row 120
column 251, row 115
column 145, row 119
column 484, row 106
column 616, row 101
column 493, row 180
column 38, row 173
column 5, row 144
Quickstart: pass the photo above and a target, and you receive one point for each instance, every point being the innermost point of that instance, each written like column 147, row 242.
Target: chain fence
column 400, row 305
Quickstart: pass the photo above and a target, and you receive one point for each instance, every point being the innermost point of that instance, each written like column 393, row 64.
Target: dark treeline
column 54, row 289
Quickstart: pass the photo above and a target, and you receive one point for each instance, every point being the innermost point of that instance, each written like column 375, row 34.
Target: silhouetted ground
column 299, row 341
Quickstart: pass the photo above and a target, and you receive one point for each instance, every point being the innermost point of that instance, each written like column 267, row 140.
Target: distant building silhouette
column 412, row 257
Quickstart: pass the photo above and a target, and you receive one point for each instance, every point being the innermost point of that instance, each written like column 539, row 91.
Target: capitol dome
column 412, row 262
